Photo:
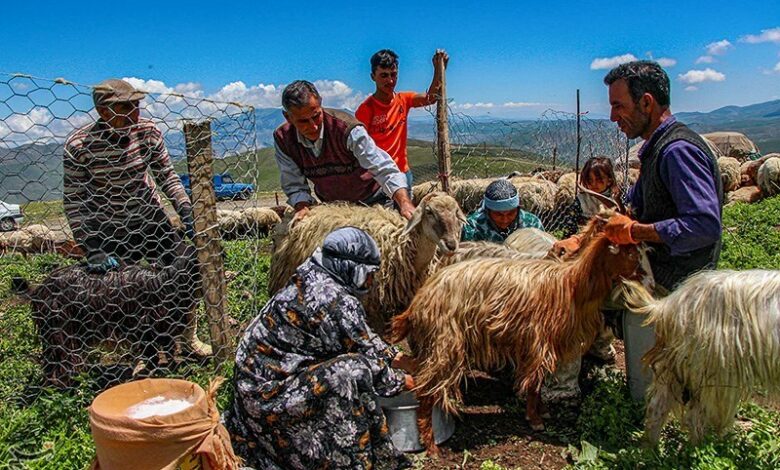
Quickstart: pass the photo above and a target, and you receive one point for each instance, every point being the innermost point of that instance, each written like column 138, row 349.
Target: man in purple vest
column 333, row 150
column 678, row 198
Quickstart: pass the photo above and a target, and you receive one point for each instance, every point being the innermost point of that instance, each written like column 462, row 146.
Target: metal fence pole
column 579, row 145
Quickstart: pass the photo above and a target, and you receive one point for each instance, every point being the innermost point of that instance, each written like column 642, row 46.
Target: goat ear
column 415, row 220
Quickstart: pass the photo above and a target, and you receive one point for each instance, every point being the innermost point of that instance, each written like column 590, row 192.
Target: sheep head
column 440, row 220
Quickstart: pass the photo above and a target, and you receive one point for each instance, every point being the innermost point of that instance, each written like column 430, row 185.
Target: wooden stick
column 443, row 131
column 207, row 239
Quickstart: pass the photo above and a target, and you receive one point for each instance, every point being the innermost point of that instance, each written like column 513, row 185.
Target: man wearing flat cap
column 111, row 171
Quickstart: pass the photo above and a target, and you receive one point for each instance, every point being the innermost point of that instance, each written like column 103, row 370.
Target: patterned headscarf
column 350, row 255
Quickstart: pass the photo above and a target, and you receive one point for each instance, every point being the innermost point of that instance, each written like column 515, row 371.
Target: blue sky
column 533, row 55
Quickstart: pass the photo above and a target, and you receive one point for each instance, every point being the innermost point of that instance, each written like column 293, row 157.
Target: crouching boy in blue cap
column 499, row 215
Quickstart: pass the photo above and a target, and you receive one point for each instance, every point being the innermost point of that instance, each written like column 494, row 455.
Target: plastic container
column 401, row 414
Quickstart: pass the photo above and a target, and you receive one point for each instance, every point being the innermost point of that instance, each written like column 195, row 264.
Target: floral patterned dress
column 307, row 377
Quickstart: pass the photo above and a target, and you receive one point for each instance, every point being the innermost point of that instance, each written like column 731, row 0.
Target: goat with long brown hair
column 487, row 313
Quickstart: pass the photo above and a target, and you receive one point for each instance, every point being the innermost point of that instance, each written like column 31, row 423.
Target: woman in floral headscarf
column 309, row 370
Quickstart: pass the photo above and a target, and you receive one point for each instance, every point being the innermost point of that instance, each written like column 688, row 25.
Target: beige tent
column 733, row 144
column 633, row 152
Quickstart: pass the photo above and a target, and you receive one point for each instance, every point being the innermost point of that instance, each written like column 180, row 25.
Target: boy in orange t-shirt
column 385, row 112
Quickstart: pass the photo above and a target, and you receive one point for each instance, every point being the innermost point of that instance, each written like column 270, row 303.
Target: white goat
column 717, row 340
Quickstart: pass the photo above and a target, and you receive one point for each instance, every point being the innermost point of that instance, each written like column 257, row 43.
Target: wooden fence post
column 443, row 131
column 207, row 239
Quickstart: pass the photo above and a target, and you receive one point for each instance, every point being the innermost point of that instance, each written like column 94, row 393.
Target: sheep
column 532, row 241
column 229, row 222
column 259, row 220
column 549, row 175
column 408, row 249
column 487, row 313
column 730, row 173
column 421, row 190
column 717, row 340
column 746, row 194
column 37, row 239
column 74, row 310
column 537, row 196
column 768, row 177
column 469, row 193
column 564, row 196
column 620, row 177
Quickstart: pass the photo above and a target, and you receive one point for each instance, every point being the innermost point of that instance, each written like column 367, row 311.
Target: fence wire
column 76, row 328
column 115, row 286
column 534, row 154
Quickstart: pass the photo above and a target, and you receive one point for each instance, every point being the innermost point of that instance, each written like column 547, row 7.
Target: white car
column 10, row 216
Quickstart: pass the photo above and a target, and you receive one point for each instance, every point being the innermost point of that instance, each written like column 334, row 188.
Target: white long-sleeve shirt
column 369, row 156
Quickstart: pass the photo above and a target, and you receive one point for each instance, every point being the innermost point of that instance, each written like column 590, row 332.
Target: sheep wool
column 768, row 177
column 730, row 173
column 409, row 250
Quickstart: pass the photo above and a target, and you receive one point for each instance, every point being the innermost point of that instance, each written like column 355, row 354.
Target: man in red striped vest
column 333, row 150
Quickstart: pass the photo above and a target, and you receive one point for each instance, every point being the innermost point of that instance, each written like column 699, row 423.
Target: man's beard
column 640, row 125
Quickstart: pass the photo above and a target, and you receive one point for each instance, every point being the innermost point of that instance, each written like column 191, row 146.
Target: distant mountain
column 760, row 122
column 31, row 172
column 759, row 111
column 34, row 171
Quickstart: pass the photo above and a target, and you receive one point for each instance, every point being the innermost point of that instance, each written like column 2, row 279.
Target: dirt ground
column 492, row 426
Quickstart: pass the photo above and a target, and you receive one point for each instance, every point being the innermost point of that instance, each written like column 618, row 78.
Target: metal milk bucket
column 401, row 414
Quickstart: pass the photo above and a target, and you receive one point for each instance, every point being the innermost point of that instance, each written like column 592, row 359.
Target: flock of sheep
column 483, row 305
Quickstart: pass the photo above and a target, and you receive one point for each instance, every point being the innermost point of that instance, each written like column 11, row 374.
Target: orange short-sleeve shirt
column 386, row 124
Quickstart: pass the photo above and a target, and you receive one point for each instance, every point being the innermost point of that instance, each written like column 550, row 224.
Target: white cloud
column 479, row 105
column 666, row 62
column 516, row 104
column 610, row 62
column 767, row 35
column 777, row 67
column 260, row 95
column 719, row 47
column 705, row 59
column 691, row 88
column 701, row 76
column 40, row 125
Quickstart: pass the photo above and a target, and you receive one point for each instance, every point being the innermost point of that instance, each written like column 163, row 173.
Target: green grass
column 468, row 161
column 611, row 437
column 751, row 235
column 40, row 211
column 48, row 429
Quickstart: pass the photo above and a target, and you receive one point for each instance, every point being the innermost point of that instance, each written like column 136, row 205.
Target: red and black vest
column 336, row 173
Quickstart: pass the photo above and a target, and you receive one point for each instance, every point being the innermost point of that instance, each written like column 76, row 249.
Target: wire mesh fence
column 119, row 228
column 542, row 158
